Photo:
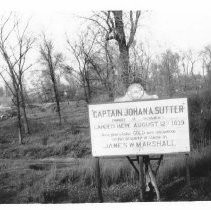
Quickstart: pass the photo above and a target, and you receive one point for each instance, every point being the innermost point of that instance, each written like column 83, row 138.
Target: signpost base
column 146, row 174
column 151, row 177
column 98, row 179
column 141, row 177
column 187, row 167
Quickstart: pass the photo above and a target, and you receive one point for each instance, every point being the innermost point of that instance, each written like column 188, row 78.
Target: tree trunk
column 85, row 94
column 124, row 65
column 88, row 85
column 23, row 105
column 110, row 93
column 57, row 102
column 170, row 84
column 123, row 48
column 20, row 137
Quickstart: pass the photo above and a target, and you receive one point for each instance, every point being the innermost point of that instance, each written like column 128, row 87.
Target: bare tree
column 101, row 66
column 113, row 26
column 52, row 61
column 96, row 68
column 14, row 48
column 188, row 61
column 206, row 62
column 168, row 69
column 140, row 65
column 81, row 52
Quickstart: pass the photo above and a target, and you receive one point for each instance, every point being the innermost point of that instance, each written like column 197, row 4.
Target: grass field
column 54, row 165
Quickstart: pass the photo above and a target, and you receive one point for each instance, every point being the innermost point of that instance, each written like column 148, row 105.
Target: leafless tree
column 140, row 64
column 81, row 52
column 114, row 27
column 52, row 61
column 188, row 61
column 14, row 48
column 103, row 70
column 96, row 68
column 206, row 62
column 168, row 69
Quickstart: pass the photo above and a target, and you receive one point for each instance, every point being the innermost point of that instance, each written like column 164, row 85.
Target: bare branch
column 134, row 26
column 7, row 83
column 97, row 22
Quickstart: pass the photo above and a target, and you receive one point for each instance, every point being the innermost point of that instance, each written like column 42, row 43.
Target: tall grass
column 77, row 183
column 174, row 167
column 73, row 148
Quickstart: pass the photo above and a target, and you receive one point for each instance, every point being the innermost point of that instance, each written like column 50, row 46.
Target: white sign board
column 139, row 128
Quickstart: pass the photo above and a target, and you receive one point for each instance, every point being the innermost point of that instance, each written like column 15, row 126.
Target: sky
column 177, row 25
column 179, row 30
column 182, row 29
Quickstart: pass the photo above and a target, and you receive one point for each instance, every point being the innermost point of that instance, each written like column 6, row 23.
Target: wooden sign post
column 137, row 125
column 98, row 179
column 187, row 167
column 141, row 178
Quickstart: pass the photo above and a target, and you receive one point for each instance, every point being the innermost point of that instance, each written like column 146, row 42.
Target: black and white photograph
column 108, row 104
